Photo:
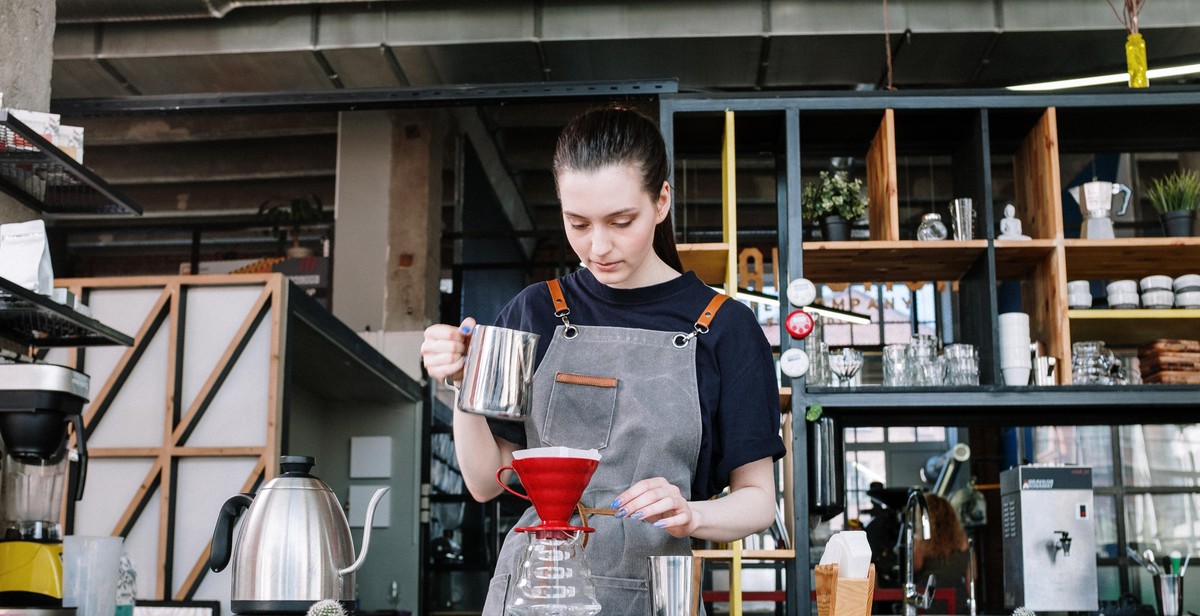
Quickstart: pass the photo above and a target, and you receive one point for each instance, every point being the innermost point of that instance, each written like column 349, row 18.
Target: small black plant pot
column 1180, row 223
column 835, row 228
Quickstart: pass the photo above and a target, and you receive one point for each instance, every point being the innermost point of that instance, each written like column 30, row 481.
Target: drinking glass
column 1093, row 364
column 960, row 365
column 845, row 363
column 923, row 367
column 895, row 365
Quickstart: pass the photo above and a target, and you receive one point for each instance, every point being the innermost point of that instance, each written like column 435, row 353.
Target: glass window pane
column 902, row 435
column 864, row 467
column 931, row 434
column 1159, row 455
column 1089, row 446
column 1163, row 522
column 864, row 435
column 1104, row 513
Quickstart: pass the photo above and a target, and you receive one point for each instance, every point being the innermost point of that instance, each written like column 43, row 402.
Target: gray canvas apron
column 632, row 394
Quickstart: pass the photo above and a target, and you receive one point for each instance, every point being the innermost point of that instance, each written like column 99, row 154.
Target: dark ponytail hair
column 620, row 136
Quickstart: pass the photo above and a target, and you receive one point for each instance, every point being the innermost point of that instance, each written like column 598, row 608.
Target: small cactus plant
column 327, row 607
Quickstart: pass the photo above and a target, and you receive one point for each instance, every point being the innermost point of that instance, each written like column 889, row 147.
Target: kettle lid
column 296, row 466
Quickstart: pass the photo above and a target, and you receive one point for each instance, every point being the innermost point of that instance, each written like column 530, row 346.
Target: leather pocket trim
column 583, row 379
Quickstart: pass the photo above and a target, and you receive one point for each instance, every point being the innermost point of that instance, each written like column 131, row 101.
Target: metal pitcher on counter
column 295, row 546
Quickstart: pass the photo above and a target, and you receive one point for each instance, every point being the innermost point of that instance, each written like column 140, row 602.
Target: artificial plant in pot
column 835, row 201
column 289, row 217
column 1176, row 197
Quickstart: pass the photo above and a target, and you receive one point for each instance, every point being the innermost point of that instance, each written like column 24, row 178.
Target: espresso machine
column 37, row 404
column 1049, row 538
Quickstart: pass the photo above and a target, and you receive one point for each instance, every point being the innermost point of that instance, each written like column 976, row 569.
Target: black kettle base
column 282, row 607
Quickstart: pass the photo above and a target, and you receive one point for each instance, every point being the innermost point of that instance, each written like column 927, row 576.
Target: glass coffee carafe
column 552, row 577
column 32, row 497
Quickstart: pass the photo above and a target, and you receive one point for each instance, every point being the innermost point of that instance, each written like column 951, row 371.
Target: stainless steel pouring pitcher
column 498, row 375
column 294, row 548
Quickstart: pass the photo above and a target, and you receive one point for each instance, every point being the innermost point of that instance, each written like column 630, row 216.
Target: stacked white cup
column 1079, row 294
column 1016, row 361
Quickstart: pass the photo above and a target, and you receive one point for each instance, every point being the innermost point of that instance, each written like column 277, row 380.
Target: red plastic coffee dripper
column 555, row 485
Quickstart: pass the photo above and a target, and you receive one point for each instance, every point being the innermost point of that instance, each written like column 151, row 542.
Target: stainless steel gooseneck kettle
column 294, row 547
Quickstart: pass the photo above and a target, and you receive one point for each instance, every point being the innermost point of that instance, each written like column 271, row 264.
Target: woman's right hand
column 444, row 349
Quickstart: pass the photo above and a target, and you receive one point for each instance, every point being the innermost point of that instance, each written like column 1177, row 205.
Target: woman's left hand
column 656, row 501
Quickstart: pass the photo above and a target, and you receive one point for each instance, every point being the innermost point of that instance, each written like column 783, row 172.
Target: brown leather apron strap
column 560, row 302
column 710, row 311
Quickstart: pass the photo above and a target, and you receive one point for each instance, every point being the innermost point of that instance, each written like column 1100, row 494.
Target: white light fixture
column 1154, row 73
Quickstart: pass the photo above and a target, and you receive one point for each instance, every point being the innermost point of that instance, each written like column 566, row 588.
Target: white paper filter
column 556, row 452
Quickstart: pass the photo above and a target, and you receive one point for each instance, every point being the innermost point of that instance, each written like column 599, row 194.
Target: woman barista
column 676, row 389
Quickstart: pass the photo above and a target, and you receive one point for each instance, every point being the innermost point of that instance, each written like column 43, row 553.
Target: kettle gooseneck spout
column 366, row 540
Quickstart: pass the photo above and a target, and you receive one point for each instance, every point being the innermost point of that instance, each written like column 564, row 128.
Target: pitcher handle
column 1128, row 193
column 505, row 485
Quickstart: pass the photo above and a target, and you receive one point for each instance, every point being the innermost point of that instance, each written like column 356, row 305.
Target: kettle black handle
column 222, row 541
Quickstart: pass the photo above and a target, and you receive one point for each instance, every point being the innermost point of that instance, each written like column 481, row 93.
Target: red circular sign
column 799, row 324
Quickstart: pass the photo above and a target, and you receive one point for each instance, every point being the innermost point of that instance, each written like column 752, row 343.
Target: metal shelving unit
column 987, row 125
column 38, row 321
column 43, row 177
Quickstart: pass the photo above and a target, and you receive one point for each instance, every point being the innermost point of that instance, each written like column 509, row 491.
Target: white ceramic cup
column 1123, row 300
column 1122, row 286
column 1016, row 376
column 1158, row 298
column 1079, row 286
column 1079, row 300
column 1187, row 283
column 1188, row 299
column 1150, row 283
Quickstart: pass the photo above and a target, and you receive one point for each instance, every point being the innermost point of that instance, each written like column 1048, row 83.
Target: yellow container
column 1135, row 60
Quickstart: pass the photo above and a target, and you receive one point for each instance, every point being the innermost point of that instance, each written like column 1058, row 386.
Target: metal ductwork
column 92, row 11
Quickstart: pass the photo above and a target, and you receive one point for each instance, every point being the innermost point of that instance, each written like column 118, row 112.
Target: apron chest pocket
column 580, row 412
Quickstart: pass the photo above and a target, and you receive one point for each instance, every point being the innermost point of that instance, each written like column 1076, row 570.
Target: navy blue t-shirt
column 735, row 372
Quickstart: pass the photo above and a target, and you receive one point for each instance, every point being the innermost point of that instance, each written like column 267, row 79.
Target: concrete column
column 27, row 46
column 386, row 254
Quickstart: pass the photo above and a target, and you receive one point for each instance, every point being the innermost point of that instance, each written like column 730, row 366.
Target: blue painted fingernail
column 637, row 516
column 620, row 513
column 660, row 523
column 616, row 503
column 466, row 329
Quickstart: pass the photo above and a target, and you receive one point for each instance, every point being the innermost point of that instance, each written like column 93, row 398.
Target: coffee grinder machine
column 1049, row 538
column 37, row 403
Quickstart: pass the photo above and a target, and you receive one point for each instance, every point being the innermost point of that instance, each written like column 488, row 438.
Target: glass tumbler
column 923, row 367
column 895, row 365
column 1093, row 364
column 960, row 365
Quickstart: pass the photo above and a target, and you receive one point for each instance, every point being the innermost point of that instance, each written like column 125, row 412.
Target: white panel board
column 111, row 485
column 124, row 310
column 202, row 486
column 237, row 415
column 216, row 587
column 137, row 416
column 213, row 315
column 142, row 546
column 370, row 457
column 360, row 497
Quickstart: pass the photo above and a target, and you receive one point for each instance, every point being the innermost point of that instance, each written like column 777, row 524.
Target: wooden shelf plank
column 1134, row 326
column 1131, row 257
column 709, row 260
column 899, row 261
column 747, row 554
column 785, row 399
column 1017, row 259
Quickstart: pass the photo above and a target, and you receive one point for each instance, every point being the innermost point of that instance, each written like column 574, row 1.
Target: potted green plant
column 1176, row 197
column 835, row 201
column 289, row 217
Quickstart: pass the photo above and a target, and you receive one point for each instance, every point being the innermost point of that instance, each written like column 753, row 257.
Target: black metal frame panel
column 40, row 175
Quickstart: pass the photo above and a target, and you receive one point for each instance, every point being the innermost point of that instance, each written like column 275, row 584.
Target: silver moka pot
column 294, row 547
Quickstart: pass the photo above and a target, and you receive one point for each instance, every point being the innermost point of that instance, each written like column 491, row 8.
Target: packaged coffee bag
column 25, row 256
